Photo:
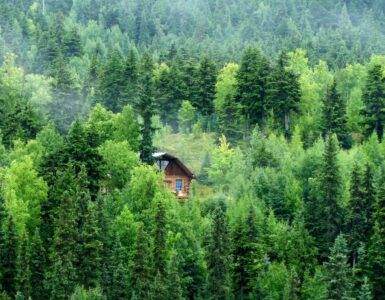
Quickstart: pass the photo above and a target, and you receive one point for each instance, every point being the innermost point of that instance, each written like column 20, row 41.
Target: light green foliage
column 81, row 293
column 24, row 192
column 274, row 283
column 120, row 161
column 186, row 117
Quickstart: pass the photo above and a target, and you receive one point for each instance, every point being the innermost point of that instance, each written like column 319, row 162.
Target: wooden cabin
column 177, row 176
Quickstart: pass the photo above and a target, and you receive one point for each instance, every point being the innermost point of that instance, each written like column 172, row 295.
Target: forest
column 278, row 107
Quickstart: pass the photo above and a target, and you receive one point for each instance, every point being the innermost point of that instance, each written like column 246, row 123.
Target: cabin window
column 178, row 185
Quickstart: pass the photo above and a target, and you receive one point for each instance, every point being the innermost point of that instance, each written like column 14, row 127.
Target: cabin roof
column 167, row 156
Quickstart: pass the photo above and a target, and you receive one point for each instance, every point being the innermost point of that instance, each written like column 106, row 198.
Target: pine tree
column 338, row 271
column 38, row 264
column 377, row 243
column 119, row 288
column 141, row 276
column 206, row 79
column 245, row 253
column 369, row 199
column 357, row 219
column 334, row 116
column 62, row 274
column 146, row 108
column 174, row 284
column 9, row 257
column 218, row 254
column 251, row 90
column 374, row 100
column 90, row 249
column 365, row 292
column 283, row 93
column 23, row 267
column 130, row 77
column 324, row 212
column 112, row 83
column 160, row 236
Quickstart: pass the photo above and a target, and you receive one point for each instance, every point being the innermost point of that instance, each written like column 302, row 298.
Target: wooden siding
column 173, row 172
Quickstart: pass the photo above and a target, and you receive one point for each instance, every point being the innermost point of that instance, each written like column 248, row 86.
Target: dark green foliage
column 37, row 266
column 359, row 213
column 142, row 271
column 374, row 97
column 23, row 267
column 62, row 274
column 246, row 255
column 90, row 248
column 377, row 243
column 218, row 256
column 334, row 116
column 160, row 235
column 112, row 81
column 9, row 246
column 252, row 80
column 283, row 94
column 206, row 78
column 324, row 212
column 146, row 108
column 338, row 271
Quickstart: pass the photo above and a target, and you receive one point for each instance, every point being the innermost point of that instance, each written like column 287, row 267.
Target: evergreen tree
column 120, row 286
column 283, row 93
column 365, row 292
column 338, row 271
column 112, row 85
column 206, row 79
column 62, row 275
column 377, row 243
column 160, row 236
column 141, row 276
column 38, row 264
column 374, row 100
column 218, row 254
column 9, row 257
column 357, row 219
column 245, row 253
column 324, row 212
column 90, row 249
column 23, row 266
column 130, row 77
column 174, row 284
column 251, row 89
column 146, row 108
column 334, row 116
column 369, row 198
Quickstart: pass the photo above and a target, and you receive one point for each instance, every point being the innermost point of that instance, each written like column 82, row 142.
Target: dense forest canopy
column 278, row 107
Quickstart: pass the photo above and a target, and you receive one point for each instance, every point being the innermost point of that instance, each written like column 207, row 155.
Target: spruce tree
column 377, row 243
column 38, row 264
column 160, row 236
column 206, row 79
column 119, row 287
column 338, row 271
column 283, row 93
column 146, row 108
column 245, row 253
column 130, row 77
column 370, row 200
column 324, row 212
column 9, row 257
column 357, row 219
column 374, row 100
column 62, row 275
column 218, row 257
column 251, row 89
column 334, row 116
column 142, row 276
column 23, row 266
column 90, row 249
column 112, row 84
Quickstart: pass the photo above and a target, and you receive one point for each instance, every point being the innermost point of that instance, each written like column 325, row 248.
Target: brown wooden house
column 177, row 176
